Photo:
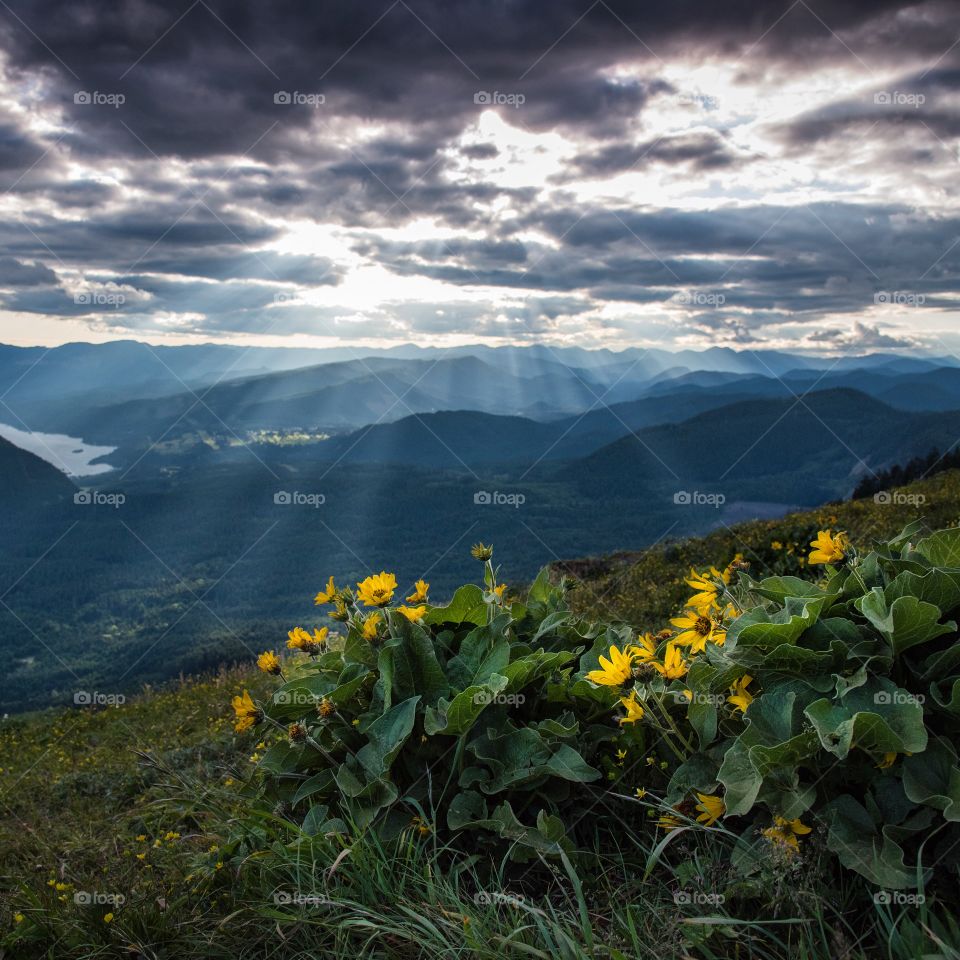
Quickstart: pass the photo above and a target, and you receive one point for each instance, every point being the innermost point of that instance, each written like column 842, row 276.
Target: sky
column 606, row 174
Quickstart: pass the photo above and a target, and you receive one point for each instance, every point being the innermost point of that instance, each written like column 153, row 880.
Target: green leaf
column 854, row 838
column 386, row 735
column 759, row 628
column 779, row 588
column 467, row 606
column 905, row 623
column 933, row 778
column 939, row 587
column 456, row 716
column 878, row 717
column 321, row 782
column 483, row 652
column 942, row 549
column 413, row 663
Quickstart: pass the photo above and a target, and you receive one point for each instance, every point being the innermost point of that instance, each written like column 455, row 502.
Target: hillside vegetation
column 134, row 828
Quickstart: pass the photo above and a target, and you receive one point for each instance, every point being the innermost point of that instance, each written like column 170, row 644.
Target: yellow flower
column 247, row 713
column 669, row 823
column 633, row 707
column 480, row 551
column 377, row 590
column 339, row 611
column 18, row 918
column 784, row 833
column 299, row 639
column 499, row 591
column 646, row 648
column 828, row 548
column 674, row 666
column 419, row 594
column 615, row 671
column 108, row 918
column 640, row 792
column 413, row 614
column 776, row 545
column 370, row 626
column 740, row 697
column 326, row 708
column 269, row 662
column 889, row 759
column 711, row 808
column 706, row 595
column 696, row 629
column 328, row 595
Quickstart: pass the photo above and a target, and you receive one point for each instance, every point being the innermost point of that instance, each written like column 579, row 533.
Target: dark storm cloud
column 13, row 273
column 702, row 151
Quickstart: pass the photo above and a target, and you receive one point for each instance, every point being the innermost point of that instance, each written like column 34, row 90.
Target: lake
column 69, row 454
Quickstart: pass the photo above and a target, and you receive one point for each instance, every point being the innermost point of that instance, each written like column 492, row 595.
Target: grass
column 123, row 834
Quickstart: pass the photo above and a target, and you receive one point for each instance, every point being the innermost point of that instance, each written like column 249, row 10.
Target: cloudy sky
column 602, row 173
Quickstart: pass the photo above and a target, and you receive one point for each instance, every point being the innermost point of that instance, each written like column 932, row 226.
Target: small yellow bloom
column 326, row 708
column 633, row 707
column 269, row 662
column 377, row 590
column 141, row 837
column 696, row 629
column 740, row 697
column 889, row 759
column 108, row 918
column 419, row 594
column 706, row 595
column 776, row 545
column 413, row 614
column 669, row 823
column 248, row 714
column 674, row 666
column 480, row 551
column 339, row 611
column 645, row 649
column 615, row 671
column 370, row 626
column 784, row 834
column 328, row 595
column 828, row 548
column 640, row 792
column 499, row 591
column 299, row 639
column 18, row 918
column 711, row 808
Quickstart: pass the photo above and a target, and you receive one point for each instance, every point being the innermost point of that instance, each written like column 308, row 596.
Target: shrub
column 462, row 717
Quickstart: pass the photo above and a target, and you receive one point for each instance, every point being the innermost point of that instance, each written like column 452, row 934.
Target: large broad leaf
column 948, row 701
column 484, row 651
column 779, row 588
column 765, row 630
column 413, row 664
column 386, row 735
column 321, row 782
column 933, row 778
column 468, row 811
column 456, row 716
column 905, row 623
column 533, row 667
column 467, row 606
column 774, row 738
column 942, row 549
column 878, row 717
column 939, row 587
column 698, row 772
column 854, row 837
column 521, row 757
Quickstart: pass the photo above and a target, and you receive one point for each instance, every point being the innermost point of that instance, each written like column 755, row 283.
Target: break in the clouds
column 604, row 173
